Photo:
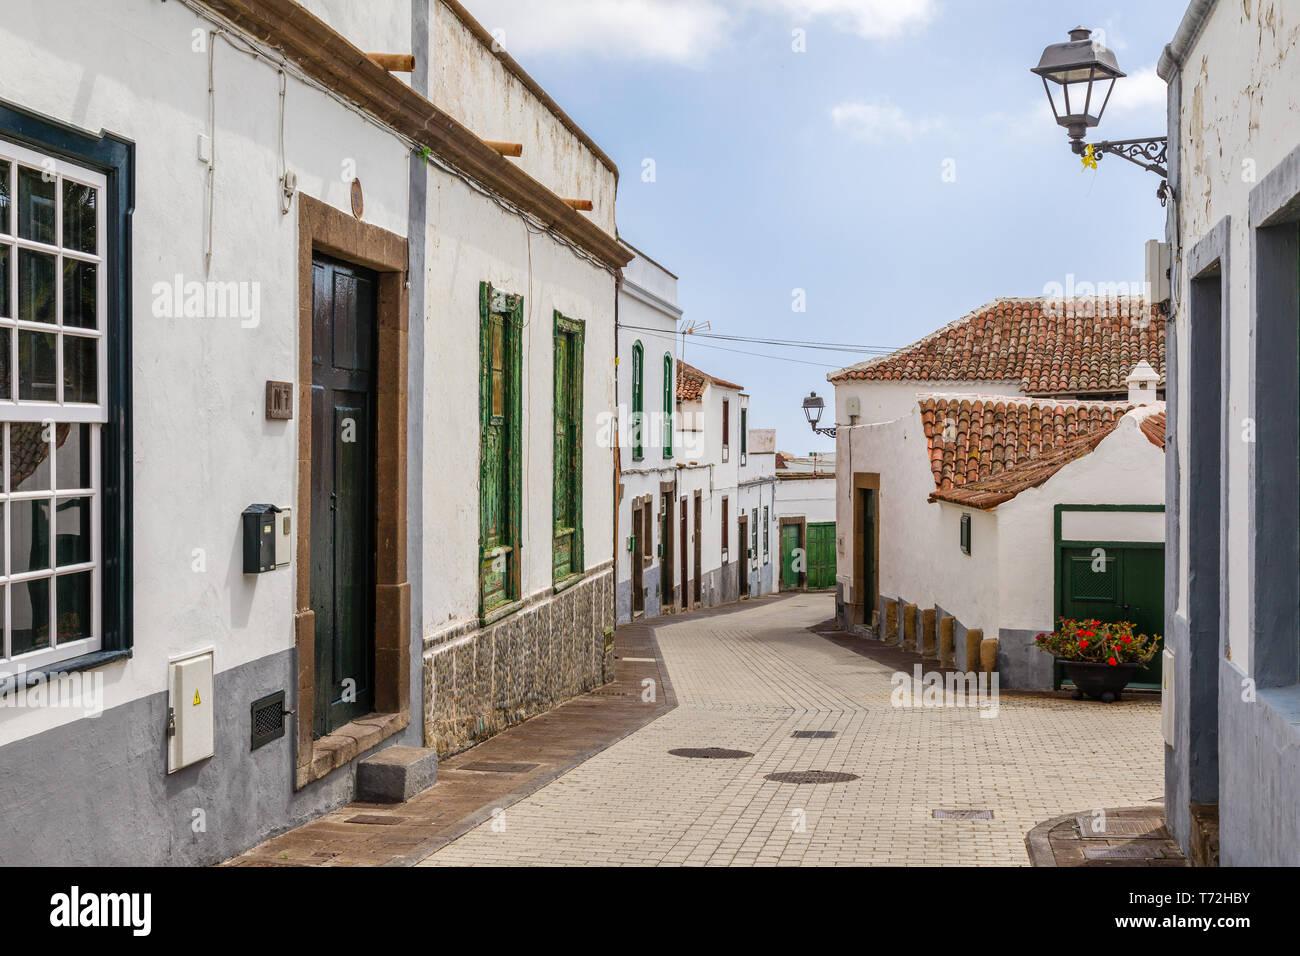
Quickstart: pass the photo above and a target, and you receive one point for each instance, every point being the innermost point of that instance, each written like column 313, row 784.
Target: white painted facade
column 1005, row 586
column 202, row 449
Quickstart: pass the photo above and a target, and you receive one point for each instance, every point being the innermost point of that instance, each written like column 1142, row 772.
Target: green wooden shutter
column 638, row 399
column 500, row 404
column 668, row 405
column 567, row 477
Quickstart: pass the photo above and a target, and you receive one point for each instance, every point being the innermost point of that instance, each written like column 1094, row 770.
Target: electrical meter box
column 189, row 710
column 260, row 535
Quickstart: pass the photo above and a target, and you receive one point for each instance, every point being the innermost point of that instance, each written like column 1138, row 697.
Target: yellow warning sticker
column 196, row 698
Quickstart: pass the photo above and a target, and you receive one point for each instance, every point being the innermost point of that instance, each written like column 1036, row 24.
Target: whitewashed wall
column 202, row 449
column 888, row 401
column 1238, row 122
column 811, row 498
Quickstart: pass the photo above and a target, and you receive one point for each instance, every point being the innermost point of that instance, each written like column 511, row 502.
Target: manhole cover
column 1091, row 828
column 375, row 819
column 811, row 776
column 489, row 766
column 962, row 814
column 710, row 753
column 813, row 734
column 1121, row 853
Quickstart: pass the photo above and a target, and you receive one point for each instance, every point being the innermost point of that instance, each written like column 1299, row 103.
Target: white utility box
column 283, row 537
column 189, row 715
column 1157, row 270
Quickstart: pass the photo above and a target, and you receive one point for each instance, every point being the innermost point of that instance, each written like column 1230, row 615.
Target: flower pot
column 1098, row 680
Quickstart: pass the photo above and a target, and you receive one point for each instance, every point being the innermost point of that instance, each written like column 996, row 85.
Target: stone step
column 396, row 774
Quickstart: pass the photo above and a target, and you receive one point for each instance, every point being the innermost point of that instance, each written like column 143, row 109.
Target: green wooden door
column 821, row 555
column 1114, row 584
column 790, row 556
column 342, row 492
column 567, row 484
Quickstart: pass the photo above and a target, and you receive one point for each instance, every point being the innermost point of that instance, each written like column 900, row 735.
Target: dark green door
column 342, row 491
column 1113, row 584
column 789, row 547
column 821, row 555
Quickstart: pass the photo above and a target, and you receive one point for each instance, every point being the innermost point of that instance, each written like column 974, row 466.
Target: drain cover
column 813, row 734
column 811, row 776
column 710, row 753
column 962, row 814
column 374, row 819
column 489, row 766
column 1129, row 852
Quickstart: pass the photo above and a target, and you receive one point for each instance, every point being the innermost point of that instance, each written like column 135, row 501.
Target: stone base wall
column 480, row 680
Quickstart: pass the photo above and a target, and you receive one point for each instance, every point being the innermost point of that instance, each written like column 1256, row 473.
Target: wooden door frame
column 637, row 565
column 324, row 230
column 683, row 571
column 801, row 579
column 864, row 482
column 667, row 560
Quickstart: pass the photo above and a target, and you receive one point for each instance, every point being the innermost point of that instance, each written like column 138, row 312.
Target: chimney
column 1142, row 382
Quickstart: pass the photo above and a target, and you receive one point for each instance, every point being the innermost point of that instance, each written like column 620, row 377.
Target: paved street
column 747, row 679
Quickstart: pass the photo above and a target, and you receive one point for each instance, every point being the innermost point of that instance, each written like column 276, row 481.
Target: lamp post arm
column 828, row 432
column 1151, row 154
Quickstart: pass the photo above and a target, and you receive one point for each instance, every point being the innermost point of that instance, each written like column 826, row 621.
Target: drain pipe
column 618, row 449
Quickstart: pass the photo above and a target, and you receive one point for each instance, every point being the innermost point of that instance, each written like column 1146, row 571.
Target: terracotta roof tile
column 691, row 382
column 985, row 450
column 1153, row 426
column 1048, row 346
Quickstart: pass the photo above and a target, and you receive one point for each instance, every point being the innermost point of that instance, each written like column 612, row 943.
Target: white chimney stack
column 1142, row 382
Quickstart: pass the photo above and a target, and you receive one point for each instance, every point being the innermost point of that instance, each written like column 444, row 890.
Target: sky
column 890, row 165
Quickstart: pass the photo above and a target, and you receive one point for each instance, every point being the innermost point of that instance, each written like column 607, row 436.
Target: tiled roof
column 985, row 450
column 1153, row 426
column 1048, row 346
column 691, row 382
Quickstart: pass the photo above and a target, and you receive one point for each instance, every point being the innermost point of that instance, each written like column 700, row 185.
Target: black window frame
column 113, row 157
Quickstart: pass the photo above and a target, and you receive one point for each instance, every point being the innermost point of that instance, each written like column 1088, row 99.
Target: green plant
column 1113, row 643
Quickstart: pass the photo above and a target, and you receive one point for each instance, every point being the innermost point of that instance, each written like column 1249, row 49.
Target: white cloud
column 675, row 31
column 1140, row 92
column 880, row 121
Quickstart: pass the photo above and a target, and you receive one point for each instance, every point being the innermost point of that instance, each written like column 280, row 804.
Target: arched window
column 638, row 399
column 668, row 405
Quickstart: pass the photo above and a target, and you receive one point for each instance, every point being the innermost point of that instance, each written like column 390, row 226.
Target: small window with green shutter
column 744, row 434
column 766, row 541
column 965, row 534
column 638, row 399
column 668, row 405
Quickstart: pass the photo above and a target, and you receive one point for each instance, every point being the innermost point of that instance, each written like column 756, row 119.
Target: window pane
column 72, row 457
column 31, row 615
column 35, row 206
column 29, row 543
column 4, row 220
column 6, row 367
column 79, row 217
column 4, row 282
column 72, row 523
column 36, row 271
column 75, row 614
column 80, row 378
column 29, row 458
column 79, row 293
column 36, row 375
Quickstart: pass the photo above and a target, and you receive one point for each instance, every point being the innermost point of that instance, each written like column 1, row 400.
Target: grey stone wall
column 480, row 681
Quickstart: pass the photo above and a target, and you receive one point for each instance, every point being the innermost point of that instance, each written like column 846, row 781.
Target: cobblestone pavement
column 747, row 680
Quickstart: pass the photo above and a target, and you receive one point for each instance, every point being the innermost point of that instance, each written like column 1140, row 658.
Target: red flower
column 1083, row 645
column 1112, row 662
column 1126, row 639
column 1090, row 634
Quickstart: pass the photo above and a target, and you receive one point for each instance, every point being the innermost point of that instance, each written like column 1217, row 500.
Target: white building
column 1233, row 698
column 654, row 533
column 805, row 508
column 970, row 507
column 319, row 286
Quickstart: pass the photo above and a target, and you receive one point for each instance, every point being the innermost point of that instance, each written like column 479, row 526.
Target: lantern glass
column 812, row 409
column 1078, row 76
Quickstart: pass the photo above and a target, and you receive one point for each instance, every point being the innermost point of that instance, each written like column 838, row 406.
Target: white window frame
column 54, row 414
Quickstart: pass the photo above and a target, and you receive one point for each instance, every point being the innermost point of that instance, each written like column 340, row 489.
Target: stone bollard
column 929, row 639
column 989, row 655
column 973, row 638
column 909, row 627
column 947, row 657
column 891, row 622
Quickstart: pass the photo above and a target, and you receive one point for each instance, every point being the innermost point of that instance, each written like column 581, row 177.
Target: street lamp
column 813, row 406
column 1083, row 73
